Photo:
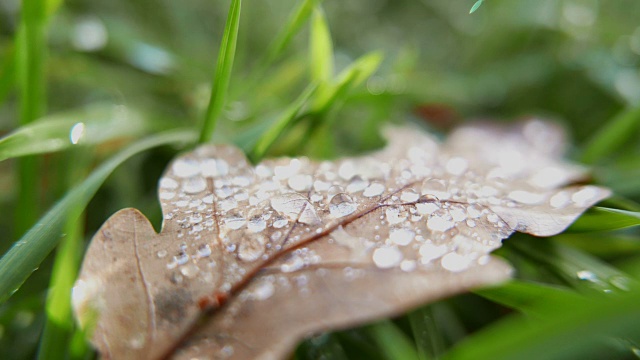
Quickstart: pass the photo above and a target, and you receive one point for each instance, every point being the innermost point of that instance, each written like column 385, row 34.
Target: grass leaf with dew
column 580, row 329
column 283, row 120
column 603, row 219
column 320, row 48
column 574, row 267
column 612, row 136
column 222, row 75
column 27, row 253
column 94, row 124
column 476, row 6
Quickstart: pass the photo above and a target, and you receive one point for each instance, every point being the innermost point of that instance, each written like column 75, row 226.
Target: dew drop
column 256, row 223
column 435, row 187
column 429, row 252
column 409, row 196
column 161, row 254
column 251, row 249
column 234, row 221
column 295, row 207
column 263, row 291
column 185, row 168
column 457, row 166
column 300, row 182
column 387, row 257
column 204, row 251
column 279, row 222
column 408, row 265
column 168, row 183
column 560, row 200
column 455, row 262
column 295, row 264
column 194, row 185
column 375, row 189
column 402, row 236
column 437, row 223
column 189, row 270
column 341, row 205
column 181, row 258
column 357, row 184
column 584, row 196
column 526, row 197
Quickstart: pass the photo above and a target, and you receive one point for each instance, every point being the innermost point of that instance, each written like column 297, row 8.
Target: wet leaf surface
column 252, row 259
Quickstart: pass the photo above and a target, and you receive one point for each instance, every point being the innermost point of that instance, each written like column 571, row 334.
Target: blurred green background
column 127, row 69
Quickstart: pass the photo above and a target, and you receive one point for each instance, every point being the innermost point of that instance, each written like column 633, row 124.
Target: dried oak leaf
column 252, row 259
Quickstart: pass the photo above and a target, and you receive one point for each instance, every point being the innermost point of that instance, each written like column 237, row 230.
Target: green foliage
column 301, row 87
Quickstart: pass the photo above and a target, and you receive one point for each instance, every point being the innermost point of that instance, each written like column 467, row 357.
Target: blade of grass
column 31, row 49
column 476, row 6
column 26, row 254
column 7, row 73
column 321, row 48
column 573, row 332
column 223, row 70
column 292, row 26
column 284, row 120
column 92, row 125
column 576, row 268
column 603, row 219
column 393, row 343
column 59, row 323
column 352, row 76
column 612, row 136
column 528, row 297
column 427, row 334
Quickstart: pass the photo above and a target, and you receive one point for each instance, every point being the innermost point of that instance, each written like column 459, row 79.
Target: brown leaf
column 252, row 259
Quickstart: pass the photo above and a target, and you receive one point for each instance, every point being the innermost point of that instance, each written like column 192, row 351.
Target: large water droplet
column 429, row 252
column 185, row 168
column 168, row 183
column 300, row 182
column 194, row 185
column 181, row 258
column 295, row 207
column 387, row 257
column 251, row 249
column 357, row 184
column 402, row 236
column 341, row 205
column 438, row 223
column 526, row 197
column 436, row 187
column 455, row 262
column 409, row 195
column 189, row 270
column 375, row 189
column 234, row 220
column 263, row 291
column 204, row 251
column 256, row 223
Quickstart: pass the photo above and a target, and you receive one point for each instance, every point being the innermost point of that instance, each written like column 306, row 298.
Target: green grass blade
column 612, row 136
column 7, row 73
column 603, row 219
column 349, row 78
column 527, row 297
column 223, row 70
column 574, row 267
column 578, row 331
column 31, row 50
column 320, row 48
column 88, row 126
column 476, row 6
column 284, row 120
column 393, row 343
column 59, row 323
column 293, row 25
column 27, row 253
column 427, row 334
